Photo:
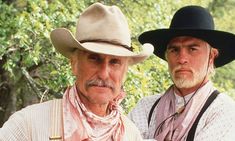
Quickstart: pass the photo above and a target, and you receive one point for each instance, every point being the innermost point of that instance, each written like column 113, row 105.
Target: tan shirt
column 33, row 124
column 216, row 124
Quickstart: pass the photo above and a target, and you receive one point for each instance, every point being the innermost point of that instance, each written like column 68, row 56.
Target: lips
column 102, row 86
column 182, row 70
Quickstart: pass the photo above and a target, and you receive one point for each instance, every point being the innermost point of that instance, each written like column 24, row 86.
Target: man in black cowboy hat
column 191, row 109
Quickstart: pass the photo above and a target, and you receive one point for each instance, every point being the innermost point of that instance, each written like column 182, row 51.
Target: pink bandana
column 81, row 124
column 177, row 127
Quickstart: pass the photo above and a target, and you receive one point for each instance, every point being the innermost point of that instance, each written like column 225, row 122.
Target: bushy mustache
column 99, row 83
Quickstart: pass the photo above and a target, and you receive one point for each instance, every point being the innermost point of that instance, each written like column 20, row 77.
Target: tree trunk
column 5, row 94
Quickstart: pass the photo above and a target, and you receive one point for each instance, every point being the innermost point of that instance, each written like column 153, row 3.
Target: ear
column 213, row 54
column 73, row 63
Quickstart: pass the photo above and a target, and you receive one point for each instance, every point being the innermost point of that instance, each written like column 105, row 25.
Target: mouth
column 102, row 87
column 100, row 84
column 183, row 71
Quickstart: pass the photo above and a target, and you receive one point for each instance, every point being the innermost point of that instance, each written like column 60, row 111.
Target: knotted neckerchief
column 81, row 124
column 177, row 127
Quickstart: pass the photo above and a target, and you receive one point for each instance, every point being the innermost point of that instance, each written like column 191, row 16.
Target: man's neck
column 98, row 109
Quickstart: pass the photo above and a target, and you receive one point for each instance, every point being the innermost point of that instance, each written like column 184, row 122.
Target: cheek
column 80, row 73
column 201, row 61
column 74, row 68
column 81, row 79
column 119, row 76
column 170, row 59
column 171, row 65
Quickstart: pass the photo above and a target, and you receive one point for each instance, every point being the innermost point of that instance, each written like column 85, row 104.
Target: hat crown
column 192, row 17
column 106, row 23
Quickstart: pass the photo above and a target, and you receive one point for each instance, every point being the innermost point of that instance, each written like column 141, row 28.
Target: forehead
column 186, row 40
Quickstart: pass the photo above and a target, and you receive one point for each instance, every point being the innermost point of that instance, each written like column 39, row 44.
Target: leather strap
column 210, row 99
column 152, row 109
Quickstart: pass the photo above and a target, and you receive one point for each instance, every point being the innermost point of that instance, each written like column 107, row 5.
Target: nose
column 182, row 57
column 104, row 70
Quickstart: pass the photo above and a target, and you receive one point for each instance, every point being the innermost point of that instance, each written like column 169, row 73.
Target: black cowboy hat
column 194, row 21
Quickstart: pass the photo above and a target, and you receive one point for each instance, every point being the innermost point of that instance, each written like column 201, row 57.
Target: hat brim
column 223, row 41
column 65, row 43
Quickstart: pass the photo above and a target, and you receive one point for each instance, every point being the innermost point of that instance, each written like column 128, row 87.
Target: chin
column 102, row 101
column 184, row 83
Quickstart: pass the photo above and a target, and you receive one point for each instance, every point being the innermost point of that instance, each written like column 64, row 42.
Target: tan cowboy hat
column 100, row 29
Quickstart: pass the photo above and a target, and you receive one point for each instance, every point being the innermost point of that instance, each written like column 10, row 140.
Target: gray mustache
column 100, row 83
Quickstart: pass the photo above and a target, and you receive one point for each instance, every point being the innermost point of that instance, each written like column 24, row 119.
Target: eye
column 172, row 49
column 193, row 47
column 115, row 61
column 94, row 57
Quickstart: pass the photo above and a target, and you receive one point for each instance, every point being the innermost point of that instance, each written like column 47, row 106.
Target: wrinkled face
column 99, row 77
column 188, row 61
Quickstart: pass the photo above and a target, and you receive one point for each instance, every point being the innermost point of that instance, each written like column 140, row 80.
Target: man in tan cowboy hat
column 191, row 109
column 100, row 54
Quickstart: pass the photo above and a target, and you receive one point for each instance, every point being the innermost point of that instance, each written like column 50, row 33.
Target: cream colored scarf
column 177, row 127
column 80, row 124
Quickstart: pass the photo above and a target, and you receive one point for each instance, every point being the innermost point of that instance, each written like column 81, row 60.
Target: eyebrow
column 193, row 44
column 172, row 46
column 189, row 45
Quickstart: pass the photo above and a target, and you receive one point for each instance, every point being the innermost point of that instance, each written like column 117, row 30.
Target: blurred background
column 32, row 72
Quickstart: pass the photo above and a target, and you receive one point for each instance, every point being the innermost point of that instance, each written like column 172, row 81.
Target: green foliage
column 147, row 78
column 33, row 66
column 224, row 79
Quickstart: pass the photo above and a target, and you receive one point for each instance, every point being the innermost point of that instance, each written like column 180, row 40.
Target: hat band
column 109, row 42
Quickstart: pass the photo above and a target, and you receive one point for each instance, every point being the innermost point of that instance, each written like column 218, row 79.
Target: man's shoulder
column 222, row 106
column 42, row 105
column 144, row 105
column 149, row 99
column 31, row 117
column 224, row 101
column 132, row 132
column 218, row 119
column 128, row 122
column 43, row 109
